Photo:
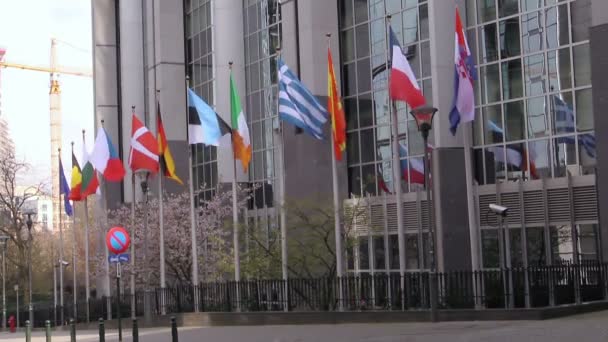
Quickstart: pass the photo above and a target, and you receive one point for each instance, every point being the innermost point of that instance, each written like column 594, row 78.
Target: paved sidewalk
column 583, row 328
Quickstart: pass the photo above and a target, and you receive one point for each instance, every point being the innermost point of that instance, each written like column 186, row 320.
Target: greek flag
column 565, row 123
column 297, row 105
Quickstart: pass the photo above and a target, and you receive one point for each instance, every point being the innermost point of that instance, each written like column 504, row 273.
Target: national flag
column 566, row 123
column 65, row 191
column 166, row 159
column 381, row 183
column 465, row 74
column 76, row 181
column 204, row 125
column 336, row 111
column 143, row 154
column 297, row 105
column 402, row 83
column 412, row 169
column 514, row 154
column 105, row 159
column 241, row 144
column 90, row 183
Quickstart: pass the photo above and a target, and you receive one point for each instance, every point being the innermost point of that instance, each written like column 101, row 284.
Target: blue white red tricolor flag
column 463, row 109
column 402, row 84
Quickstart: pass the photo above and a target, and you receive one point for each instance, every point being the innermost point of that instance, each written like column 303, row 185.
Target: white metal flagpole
column 132, row 275
column 161, row 221
column 106, row 275
column 60, row 214
column 193, row 222
column 235, row 218
column 87, row 281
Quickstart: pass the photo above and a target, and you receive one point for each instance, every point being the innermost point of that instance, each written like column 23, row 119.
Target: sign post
column 118, row 241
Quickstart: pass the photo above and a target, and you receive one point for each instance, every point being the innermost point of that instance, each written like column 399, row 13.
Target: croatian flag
column 464, row 95
column 403, row 85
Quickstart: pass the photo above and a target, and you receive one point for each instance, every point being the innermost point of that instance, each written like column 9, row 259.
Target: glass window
column 584, row 110
column 489, row 45
column 376, row 8
column 353, row 147
column 514, row 121
column 535, row 74
column 491, row 83
column 507, row 7
column 587, row 153
column 486, row 10
column 362, row 38
column 378, row 243
column 369, row 179
column 587, row 241
column 560, row 74
column 562, row 112
column 350, row 79
column 561, row 243
column 361, row 11
column 378, row 38
column 363, row 253
column 512, row 87
column 350, row 111
column 532, row 31
column 565, row 154
column 557, row 26
column 531, row 4
column 348, row 45
column 492, row 120
column 364, row 77
column 538, row 120
column 346, row 13
column 515, row 247
column 490, row 248
column 535, row 240
column 581, row 19
column 393, row 243
column 411, row 250
column 410, row 26
column 515, row 161
column 424, row 21
column 367, row 145
column 539, row 154
column 366, row 116
column 509, row 38
column 582, row 65
column 354, row 180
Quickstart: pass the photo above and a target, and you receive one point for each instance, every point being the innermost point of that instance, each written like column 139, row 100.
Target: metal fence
column 541, row 286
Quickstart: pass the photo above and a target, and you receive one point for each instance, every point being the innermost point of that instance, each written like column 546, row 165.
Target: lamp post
column 424, row 120
column 147, row 294
column 504, row 246
column 3, row 243
column 30, row 307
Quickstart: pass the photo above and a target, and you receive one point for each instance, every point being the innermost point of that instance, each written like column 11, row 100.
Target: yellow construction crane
column 54, row 70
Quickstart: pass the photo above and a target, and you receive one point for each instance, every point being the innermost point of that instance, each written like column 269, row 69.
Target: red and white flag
column 402, row 84
column 143, row 155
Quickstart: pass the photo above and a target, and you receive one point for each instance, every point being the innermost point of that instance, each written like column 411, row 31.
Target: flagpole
column 132, row 275
column 282, row 217
column 87, row 280
column 105, row 248
column 397, row 177
column 337, row 223
column 161, row 223
column 74, row 254
column 235, row 223
column 60, row 246
column 192, row 215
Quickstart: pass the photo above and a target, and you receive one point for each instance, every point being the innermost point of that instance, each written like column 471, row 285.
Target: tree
column 213, row 232
column 13, row 209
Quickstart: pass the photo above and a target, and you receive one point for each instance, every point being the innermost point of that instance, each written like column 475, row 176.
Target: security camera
column 64, row 263
column 499, row 209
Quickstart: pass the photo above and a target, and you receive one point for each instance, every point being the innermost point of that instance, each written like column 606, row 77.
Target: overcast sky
column 26, row 28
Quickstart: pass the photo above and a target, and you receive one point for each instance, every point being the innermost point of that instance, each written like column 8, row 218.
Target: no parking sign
column 118, row 240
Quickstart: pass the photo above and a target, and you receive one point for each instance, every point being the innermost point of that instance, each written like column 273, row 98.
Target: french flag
column 465, row 74
column 402, row 84
column 415, row 173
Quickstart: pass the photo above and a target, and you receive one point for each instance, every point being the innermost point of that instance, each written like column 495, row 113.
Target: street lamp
column 3, row 243
column 147, row 295
column 501, row 212
column 29, row 224
column 424, row 120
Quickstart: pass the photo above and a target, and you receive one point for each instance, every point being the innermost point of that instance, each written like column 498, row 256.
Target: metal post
column 235, row 218
column 193, row 221
column 132, row 271
column 147, row 299
column 174, row 337
column 47, row 330
column 87, row 285
column 55, row 289
column 28, row 331
column 433, row 274
column 161, row 238
column 4, row 286
column 72, row 330
column 17, row 295
column 118, row 313
column 61, row 267
column 135, row 330
column 29, row 257
column 102, row 330
column 74, row 285
column 283, row 220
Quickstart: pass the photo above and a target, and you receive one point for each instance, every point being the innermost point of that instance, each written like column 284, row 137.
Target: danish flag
column 143, row 155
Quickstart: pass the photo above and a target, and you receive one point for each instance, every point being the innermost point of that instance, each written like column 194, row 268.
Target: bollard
column 174, row 337
column 135, row 331
column 72, row 330
column 102, row 330
column 28, row 331
column 47, row 326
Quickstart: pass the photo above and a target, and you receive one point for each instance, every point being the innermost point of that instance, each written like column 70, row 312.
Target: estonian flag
column 204, row 125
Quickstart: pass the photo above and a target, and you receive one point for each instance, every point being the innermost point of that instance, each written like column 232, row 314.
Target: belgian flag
column 167, row 166
column 76, row 181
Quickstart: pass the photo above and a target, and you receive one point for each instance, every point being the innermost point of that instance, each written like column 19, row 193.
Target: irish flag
column 89, row 181
column 105, row 159
column 241, row 144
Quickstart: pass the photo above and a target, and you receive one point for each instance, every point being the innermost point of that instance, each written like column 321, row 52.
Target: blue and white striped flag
column 297, row 105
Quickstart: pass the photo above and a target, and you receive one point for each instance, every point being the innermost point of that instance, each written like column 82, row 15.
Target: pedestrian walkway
column 588, row 327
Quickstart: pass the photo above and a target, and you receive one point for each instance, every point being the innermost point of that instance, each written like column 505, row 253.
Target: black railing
column 537, row 286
